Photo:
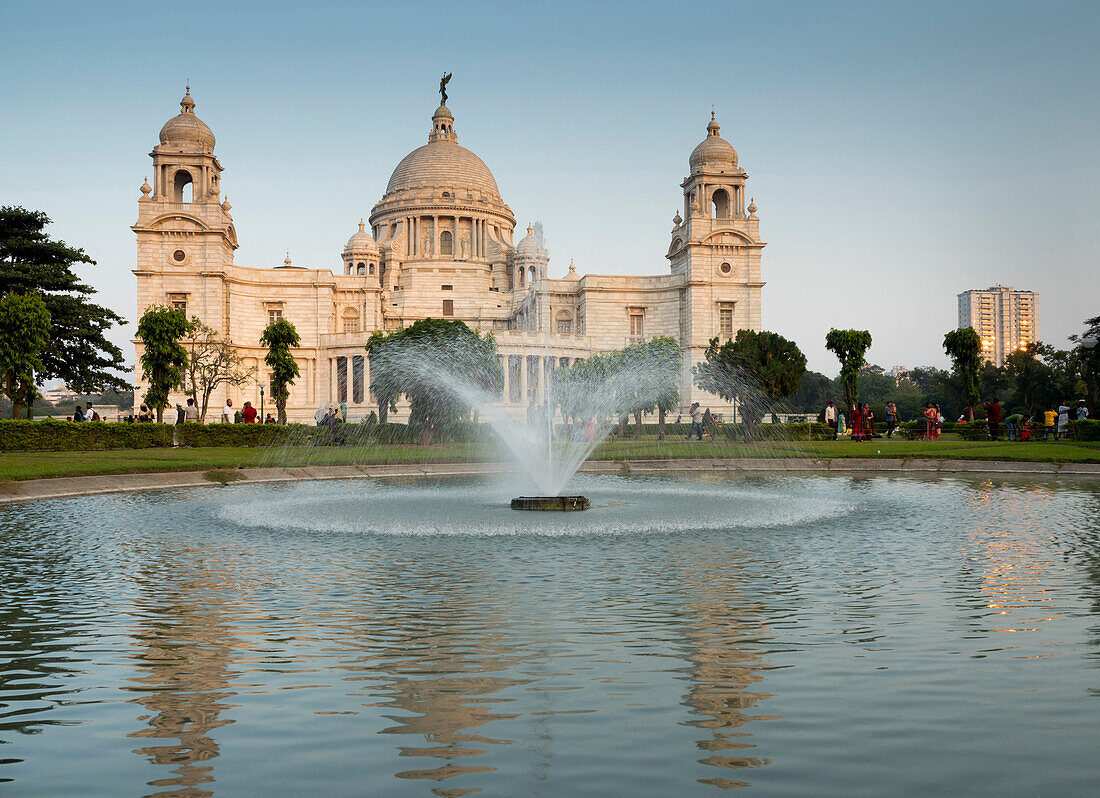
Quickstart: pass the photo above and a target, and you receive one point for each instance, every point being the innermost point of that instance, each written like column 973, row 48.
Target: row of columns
column 342, row 375
column 416, row 226
column 534, row 375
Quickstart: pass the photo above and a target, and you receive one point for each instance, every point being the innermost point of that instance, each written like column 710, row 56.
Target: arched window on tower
column 721, row 204
column 521, row 272
column 360, row 268
column 183, row 186
column 370, row 269
column 446, row 243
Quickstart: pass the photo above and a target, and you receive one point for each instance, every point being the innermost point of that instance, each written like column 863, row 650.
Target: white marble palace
column 439, row 243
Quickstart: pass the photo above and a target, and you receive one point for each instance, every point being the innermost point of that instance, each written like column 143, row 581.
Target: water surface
column 790, row 636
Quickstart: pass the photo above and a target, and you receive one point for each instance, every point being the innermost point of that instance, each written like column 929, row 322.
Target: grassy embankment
column 35, row 465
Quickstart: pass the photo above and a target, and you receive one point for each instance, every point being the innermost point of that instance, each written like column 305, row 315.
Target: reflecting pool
column 791, row 636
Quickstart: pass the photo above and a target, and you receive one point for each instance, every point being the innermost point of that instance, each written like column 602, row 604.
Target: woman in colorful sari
column 857, row 423
column 931, row 416
column 868, row 422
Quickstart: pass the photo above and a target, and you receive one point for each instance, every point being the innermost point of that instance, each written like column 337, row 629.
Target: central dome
column 441, row 176
column 443, row 164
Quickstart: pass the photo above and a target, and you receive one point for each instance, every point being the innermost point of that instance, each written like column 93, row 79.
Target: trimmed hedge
column 234, row 434
column 49, row 435
column 1087, row 430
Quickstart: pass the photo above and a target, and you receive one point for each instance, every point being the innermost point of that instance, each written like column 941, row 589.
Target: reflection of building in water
column 438, row 667
column 725, row 669
column 1008, row 537
column 185, row 647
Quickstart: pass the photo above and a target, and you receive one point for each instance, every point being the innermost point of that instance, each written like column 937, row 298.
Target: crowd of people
column 1052, row 423
column 181, row 414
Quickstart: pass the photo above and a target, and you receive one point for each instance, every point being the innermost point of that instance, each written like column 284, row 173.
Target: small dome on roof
column 362, row 241
column 713, row 152
column 185, row 129
column 528, row 245
column 443, row 112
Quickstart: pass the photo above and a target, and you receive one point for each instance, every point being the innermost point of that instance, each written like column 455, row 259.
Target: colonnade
column 421, row 227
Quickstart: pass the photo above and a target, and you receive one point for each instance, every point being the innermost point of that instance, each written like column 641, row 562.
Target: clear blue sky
column 899, row 153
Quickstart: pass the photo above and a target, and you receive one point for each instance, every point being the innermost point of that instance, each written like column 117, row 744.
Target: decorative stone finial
column 146, row 189
column 286, row 261
column 362, row 227
column 225, row 205
column 752, row 207
column 187, row 105
column 530, row 229
column 677, row 220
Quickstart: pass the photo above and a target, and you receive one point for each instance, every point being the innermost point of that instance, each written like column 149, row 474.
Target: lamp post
column 261, row 403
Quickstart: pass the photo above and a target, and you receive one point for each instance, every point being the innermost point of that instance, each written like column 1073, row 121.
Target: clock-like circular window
column 179, row 255
column 725, row 268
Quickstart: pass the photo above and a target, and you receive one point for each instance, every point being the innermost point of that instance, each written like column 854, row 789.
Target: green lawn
column 34, row 465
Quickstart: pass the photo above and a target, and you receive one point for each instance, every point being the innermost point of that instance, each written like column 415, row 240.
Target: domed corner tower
column 443, row 231
column 716, row 246
column 183, row 226
column 530, row 258
column 361, row 255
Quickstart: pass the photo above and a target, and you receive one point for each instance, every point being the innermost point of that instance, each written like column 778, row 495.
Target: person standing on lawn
column 891, row 419
column 993, row 413
column 857, row 423
column 830, row 416
column 1082, row 410
column 1063, row 419
column 696, row 414
column 248, row 414
column 227, row 412
column 928, row 421
column 191, row 412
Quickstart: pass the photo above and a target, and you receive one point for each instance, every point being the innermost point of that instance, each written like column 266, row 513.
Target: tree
column 1088, row 360
column 850, row 348
column 755, row 368
column 78, row 351
column 650, row 380
column 442, row 367
column 163, row 358
column 25, row 323
column 212, row 361
column 964, row 347
column 279, row 337
column 1032, row 377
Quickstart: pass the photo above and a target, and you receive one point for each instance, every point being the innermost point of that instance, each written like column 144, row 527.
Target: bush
column 1087, row 430
column 49, row 435
column 235, row 434
column 974, row 430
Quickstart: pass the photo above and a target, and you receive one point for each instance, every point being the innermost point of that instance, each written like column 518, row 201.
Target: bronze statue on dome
column 443, row 87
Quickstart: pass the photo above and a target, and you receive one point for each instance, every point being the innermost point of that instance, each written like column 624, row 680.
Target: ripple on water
column 875, row 636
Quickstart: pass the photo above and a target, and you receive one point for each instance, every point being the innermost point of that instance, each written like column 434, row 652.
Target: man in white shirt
column 227, row 412
column 830, row 415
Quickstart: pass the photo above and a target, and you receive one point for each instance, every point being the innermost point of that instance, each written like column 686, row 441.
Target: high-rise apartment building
column 1005, row 319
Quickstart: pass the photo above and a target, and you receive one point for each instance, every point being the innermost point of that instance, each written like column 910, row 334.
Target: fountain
column 548, row 441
